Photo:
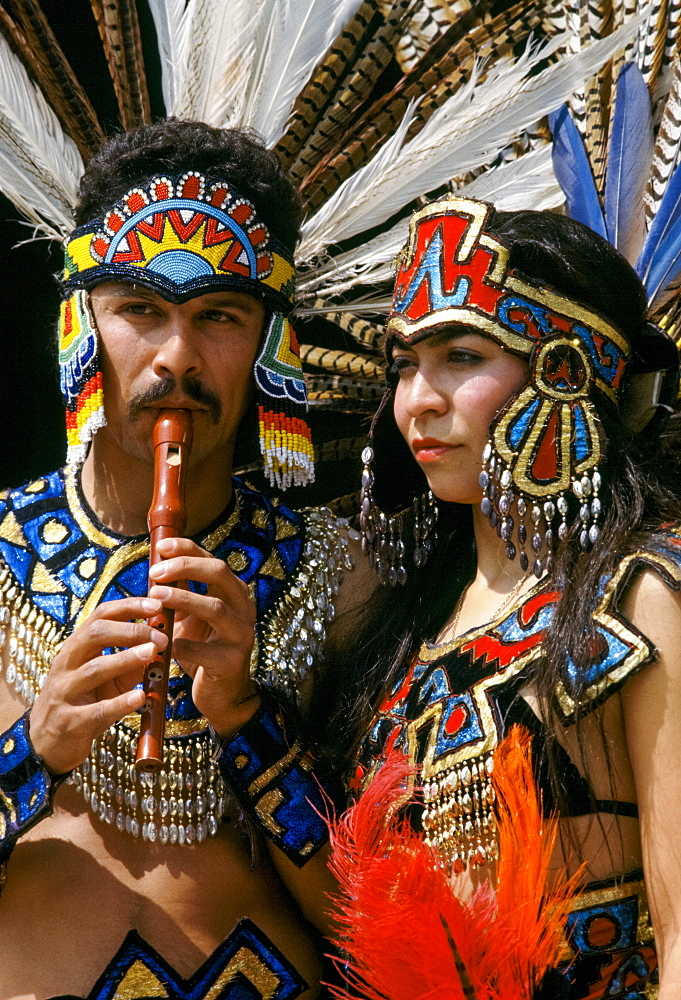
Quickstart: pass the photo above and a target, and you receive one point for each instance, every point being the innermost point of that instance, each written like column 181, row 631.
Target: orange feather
column 406, row 932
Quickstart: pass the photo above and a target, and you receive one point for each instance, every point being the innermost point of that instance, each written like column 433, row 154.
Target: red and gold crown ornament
column 546, row 443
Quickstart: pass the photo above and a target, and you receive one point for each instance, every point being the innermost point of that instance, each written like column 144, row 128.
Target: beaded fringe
column 458, row 815
column 186, row 800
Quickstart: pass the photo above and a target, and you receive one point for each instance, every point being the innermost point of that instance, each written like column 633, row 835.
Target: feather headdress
column 371, row 105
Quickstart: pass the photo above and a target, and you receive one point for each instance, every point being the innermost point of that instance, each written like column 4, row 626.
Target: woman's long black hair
column 639, row 486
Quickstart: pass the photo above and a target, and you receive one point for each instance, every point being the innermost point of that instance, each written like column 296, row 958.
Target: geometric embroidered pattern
column 246, row 966
column 272, row 778
column 58, row 563
column 456, row 701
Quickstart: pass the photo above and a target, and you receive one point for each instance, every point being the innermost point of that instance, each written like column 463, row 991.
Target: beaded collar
column 58, row 562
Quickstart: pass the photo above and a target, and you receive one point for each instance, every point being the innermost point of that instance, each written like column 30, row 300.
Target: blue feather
column 572, row 170
column 657, row 265
column 630, row 153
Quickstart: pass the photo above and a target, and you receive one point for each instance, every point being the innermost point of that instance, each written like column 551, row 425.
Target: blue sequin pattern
column 272, row 777
column 67, row 563
column 25, row 786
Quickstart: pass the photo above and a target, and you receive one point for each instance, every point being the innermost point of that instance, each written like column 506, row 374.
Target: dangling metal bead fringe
column 497, row 503
column 382, row 534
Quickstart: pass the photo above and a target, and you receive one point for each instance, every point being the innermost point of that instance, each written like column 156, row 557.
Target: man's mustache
column 193, row 388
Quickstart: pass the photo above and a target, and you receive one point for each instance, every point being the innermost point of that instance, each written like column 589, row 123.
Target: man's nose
column 177, row 354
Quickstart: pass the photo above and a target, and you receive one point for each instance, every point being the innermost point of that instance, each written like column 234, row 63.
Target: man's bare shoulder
column 360, row 582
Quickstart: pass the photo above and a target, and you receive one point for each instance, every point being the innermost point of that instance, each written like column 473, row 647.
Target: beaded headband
column 182, row 237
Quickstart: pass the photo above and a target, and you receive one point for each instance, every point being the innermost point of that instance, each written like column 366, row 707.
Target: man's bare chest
column 78, row 895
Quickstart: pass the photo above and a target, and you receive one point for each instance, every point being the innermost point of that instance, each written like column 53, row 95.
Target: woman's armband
column 26, row 786
column 273, row 779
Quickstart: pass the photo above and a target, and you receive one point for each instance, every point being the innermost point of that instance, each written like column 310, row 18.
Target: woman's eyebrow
column 453, row 333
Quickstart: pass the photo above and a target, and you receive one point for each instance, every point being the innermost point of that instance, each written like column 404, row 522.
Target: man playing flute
column 177, row 286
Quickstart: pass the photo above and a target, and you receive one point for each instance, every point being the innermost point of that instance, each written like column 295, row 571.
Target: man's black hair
column 171, row 146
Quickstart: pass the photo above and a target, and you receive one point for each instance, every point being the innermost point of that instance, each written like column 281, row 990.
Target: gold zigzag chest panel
column 246, row 964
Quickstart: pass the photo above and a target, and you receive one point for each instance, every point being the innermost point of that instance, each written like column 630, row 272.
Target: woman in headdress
column 519, row 442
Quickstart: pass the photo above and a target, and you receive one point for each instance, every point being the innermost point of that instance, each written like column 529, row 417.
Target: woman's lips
column 430, row 449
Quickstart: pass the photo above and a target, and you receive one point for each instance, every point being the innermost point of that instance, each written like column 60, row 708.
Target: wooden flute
column 167, row 519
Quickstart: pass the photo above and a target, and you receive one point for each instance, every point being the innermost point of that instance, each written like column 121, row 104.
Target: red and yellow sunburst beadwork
column 183, row 234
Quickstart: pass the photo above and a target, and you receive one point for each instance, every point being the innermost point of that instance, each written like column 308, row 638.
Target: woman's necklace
column 451, row 631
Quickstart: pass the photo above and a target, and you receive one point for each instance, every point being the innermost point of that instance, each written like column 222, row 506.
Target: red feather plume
column 408, row 935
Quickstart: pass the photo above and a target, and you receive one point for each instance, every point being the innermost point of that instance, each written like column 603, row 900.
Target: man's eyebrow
column 236, row 300
column 124, row 289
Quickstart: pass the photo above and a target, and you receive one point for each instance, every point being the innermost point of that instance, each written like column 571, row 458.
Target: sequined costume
column 57, row 564
column 456, row 701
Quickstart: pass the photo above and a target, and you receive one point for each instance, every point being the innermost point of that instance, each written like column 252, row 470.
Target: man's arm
column 84, row 693
column 276, row 781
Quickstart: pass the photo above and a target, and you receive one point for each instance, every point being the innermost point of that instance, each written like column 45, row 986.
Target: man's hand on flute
column 214, row 632
column 86, row 690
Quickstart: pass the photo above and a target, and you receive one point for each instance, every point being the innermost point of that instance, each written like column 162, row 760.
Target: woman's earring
column 542, row 456
column 500, row 494
column 383, row 534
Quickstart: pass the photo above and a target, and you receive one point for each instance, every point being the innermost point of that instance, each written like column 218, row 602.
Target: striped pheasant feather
column 492, row 40
column 574, row 37
column 314, row 99
column 381, row 119
column 430, row 19
column 341, row 362
column 667, row 145
column 652, row 44
column 31, row 39
column 119, row 30
column 375, row 51
column 593, row 25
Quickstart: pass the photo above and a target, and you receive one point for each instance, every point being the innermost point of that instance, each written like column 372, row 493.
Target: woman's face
column 449, row 389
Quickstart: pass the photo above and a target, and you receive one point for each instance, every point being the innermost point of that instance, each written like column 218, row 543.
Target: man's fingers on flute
column 225, row 620
column 100, row 633
column 217, row 659
column 126, row 609
column 169, row 547
column 214, row 573
column 127, row 664
column 102, row 714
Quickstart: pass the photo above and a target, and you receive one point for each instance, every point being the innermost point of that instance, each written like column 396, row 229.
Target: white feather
column 525, row 183
column 465, row 133
column 298, row 35
column 242, row 63
column 206, row 49
column 39, row 165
